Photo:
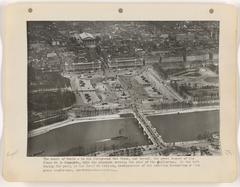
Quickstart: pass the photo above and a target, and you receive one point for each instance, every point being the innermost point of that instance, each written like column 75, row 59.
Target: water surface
column 185, row 126
column 88, row 137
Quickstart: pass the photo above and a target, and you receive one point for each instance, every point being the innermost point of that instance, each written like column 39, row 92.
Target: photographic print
column 123, row 88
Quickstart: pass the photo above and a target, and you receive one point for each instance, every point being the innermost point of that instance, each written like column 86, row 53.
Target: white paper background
column 7, row 184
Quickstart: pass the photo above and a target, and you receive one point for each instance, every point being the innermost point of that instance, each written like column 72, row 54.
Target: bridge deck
column 148, row 128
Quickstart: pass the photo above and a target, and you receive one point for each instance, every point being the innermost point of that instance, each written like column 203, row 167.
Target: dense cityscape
column 124, row 88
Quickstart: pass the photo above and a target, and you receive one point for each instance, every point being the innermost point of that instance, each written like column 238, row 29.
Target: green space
column 43, row 101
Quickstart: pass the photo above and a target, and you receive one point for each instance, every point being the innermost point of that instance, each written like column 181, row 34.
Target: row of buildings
column 117, row 44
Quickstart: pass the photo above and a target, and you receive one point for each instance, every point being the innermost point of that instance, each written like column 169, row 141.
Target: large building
column 52, row 63
column 83, row 65
column 125, row 62
column 86, row 39
column 185, row 36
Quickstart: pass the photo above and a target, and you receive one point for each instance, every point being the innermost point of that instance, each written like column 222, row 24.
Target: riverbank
column 72, row 121
column 180, row 111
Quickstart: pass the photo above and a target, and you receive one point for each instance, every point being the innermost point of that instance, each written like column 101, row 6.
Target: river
column 185, row 126
column 87, row 137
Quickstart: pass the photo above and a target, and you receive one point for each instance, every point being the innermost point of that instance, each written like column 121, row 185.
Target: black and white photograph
column 123, row 88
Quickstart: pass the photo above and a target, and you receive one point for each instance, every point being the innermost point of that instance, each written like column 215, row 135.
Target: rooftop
column 85, row 36
column 49, row 55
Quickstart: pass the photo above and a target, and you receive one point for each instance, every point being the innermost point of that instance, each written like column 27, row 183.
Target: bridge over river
column 153, row 135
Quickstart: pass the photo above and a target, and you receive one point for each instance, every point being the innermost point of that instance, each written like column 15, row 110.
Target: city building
column 185, row 36
column 125, row 62
column 83, row 65
column 52, row 63
column 85, row 38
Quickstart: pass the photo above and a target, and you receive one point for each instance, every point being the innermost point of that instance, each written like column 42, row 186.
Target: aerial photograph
column 123, row 88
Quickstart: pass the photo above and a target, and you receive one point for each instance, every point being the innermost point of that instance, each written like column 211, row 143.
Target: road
column 75, row 87
column 168, row 88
